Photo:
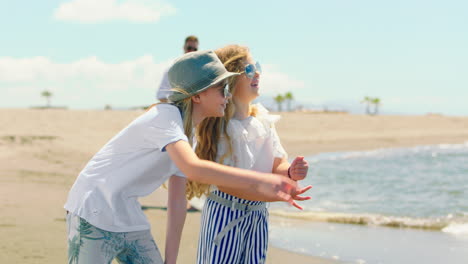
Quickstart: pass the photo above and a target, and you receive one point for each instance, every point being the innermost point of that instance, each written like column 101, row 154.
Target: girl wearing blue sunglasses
column 234, row 226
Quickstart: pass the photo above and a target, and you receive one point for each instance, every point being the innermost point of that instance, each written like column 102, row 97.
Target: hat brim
column 177, row 96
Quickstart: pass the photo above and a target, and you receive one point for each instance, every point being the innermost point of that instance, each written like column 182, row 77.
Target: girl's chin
column 221, row 113
column 254, row 95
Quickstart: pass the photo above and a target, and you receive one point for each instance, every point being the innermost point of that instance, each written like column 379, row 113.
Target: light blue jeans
column 89, row 244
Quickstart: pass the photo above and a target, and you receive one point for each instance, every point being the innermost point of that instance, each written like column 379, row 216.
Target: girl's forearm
column 176, row 213
column 266, row 186
column 242, row 193
column 209, row 172
column 281, row 166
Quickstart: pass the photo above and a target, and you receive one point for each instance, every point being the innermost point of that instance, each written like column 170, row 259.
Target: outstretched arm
column 252, row 196
column 265, row 186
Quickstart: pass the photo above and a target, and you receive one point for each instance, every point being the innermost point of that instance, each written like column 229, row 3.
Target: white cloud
column 273, row 81
column 93, row 11
column 85, row 83
column 92, row 83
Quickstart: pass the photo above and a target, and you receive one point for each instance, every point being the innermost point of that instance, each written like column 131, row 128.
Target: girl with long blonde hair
column 234, row 226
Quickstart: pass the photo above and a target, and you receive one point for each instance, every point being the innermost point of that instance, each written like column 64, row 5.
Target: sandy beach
column 42, row 152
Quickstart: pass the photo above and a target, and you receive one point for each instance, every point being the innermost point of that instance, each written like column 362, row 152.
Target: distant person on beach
column 164, row 90
column 234, row 226
column 104, row 218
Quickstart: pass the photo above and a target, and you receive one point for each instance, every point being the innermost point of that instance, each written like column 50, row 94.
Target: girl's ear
column 196, row 98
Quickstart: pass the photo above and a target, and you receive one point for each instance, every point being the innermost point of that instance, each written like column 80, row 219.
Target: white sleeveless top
column 255, row 142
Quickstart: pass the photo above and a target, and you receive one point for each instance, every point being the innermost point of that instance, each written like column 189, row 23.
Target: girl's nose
column 257, row 74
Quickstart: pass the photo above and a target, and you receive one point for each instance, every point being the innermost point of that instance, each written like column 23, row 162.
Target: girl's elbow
column 192, row 176
column 198, row 176
column 193, row 172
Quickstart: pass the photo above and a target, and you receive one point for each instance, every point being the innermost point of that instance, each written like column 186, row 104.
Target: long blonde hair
column 186, row 109
column 209, row 131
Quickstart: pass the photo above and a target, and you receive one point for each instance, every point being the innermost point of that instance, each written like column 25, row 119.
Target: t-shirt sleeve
column 165, row 127
column 178, row 173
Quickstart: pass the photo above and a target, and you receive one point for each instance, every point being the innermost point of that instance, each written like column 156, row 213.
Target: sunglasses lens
column 226, row 90
column 250, row 71
column 259, row 68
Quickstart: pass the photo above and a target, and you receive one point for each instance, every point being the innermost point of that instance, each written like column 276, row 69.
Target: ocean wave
column 456, row 229
column 385, row 152
column 449, row 225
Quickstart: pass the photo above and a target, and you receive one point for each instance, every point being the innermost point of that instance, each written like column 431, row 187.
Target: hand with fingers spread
column 298, row 169
column 278, row 188
column 297, row 196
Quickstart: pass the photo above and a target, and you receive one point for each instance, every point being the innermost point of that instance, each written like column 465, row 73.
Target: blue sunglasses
column 251, row 69
column 226, row 92
column 224, row 89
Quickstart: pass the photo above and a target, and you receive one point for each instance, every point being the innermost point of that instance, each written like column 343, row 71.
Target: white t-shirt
column 164, row 88
column 131, row 165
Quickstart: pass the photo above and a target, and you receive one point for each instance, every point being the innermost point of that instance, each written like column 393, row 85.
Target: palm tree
column 279, row 99
column 47, row 96
column 373, row 102
column 376, row 102
column 367, row 101
column 288, row 97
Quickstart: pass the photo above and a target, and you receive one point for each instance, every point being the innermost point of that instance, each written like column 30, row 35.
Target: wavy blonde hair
column 209, row 131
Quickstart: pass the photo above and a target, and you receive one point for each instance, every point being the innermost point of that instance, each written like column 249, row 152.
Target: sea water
column 402, row 205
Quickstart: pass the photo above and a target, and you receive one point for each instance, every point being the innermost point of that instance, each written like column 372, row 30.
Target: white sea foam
column 443, row 224
column 457, row 229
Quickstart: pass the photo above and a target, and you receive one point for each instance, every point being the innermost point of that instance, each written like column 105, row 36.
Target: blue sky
column 411, row 54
